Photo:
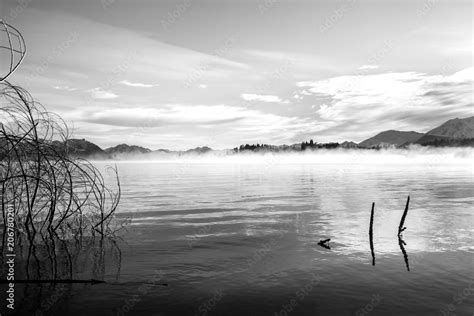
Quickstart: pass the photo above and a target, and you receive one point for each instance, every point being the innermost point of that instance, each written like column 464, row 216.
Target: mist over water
column 248, row 225
column 410, row 156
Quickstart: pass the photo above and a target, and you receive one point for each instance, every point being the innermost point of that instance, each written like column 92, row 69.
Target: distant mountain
column 453, row 133
column 455, row 128
column 161, row 150
column 124, row 149
column 199, row 150
column 347, row 144
column 82, row 148
column 391, row 137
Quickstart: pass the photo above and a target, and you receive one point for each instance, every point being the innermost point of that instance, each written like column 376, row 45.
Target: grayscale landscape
column 255, row 157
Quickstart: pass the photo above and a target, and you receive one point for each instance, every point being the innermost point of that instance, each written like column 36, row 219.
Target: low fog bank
column 410, row 155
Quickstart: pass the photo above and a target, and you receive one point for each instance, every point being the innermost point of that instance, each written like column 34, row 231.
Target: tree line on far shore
column 296, row 147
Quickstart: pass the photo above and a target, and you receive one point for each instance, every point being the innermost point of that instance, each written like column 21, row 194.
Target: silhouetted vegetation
column 61, row 204
column 451, row 142
column 312, row 145
column 258, row 147
column 285, row 148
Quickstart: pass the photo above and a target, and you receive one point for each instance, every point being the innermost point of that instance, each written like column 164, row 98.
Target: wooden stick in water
column 371, row 233
column 401, row 227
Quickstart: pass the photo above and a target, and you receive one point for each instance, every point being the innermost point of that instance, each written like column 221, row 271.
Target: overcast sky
column 187, row 73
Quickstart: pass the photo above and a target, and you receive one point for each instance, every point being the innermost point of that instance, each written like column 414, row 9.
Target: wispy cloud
column 265, row 65
column 65, row 88
column 138, row 84
column 232, row 123
column 367, row 67
column 99, row 93
column 295, row 61
column 367, row 104
column 262, row 98
column 172, row 114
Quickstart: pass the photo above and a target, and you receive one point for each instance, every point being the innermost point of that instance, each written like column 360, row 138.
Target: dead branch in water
column 371, row 233
column 325, row 243
column 401, row 227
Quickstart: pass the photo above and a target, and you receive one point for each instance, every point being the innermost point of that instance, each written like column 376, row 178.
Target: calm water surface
column 242, row 239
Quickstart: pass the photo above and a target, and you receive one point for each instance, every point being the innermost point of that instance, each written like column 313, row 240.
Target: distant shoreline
column 410, row 155
column 451, row 134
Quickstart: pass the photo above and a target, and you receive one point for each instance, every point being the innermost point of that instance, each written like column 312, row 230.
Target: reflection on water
column 202, row 201
column 402, row 245
column 48, row 282
column 233, row 239
column 253, row 230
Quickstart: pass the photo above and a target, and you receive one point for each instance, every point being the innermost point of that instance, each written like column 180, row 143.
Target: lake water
column 242, row 239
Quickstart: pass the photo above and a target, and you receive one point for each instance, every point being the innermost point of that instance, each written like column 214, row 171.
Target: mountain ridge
column 390, row 138
column 454, row 132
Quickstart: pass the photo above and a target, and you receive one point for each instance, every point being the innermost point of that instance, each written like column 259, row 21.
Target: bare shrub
column 58, row 200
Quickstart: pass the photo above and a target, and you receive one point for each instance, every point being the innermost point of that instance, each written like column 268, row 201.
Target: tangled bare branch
column 55, row 197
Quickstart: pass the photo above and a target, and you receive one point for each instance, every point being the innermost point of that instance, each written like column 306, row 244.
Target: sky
column 187, row 73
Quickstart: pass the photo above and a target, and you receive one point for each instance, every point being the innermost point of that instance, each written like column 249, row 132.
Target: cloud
column 363, row 105
column 294, row 62
column 99, row 93
column 262, row 98
column 344, row 106
column 179, row 114
column 172, row 114
column 231, row 122
column 138, row 84
column 105, row 58
column 364, row 67
column 65, row 88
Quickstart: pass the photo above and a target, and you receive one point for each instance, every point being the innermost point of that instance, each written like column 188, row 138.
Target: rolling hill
column 82, row 148
column 126, row 150
column 455, row 129
column 391, row 137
